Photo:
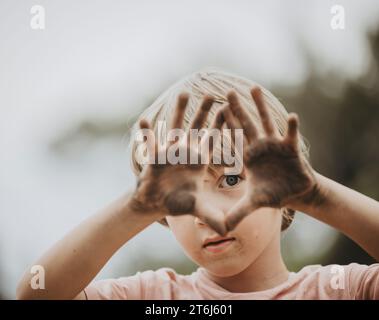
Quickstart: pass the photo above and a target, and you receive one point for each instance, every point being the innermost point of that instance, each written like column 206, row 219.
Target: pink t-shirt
column 353, row 281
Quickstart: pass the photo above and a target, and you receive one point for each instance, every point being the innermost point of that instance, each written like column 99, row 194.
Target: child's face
column 257, row 233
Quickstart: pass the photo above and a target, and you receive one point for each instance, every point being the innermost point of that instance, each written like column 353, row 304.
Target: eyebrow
column 213, row 169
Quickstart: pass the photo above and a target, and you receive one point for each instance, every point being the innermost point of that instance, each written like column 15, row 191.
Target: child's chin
column 224, row 268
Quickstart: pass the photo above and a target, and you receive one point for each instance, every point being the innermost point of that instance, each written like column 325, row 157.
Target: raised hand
column 176, row 189
column 277, row 174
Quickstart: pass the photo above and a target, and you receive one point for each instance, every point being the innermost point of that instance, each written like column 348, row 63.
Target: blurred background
column 69, row 93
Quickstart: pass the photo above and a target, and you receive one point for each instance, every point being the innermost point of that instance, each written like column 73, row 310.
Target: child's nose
column 201, row 223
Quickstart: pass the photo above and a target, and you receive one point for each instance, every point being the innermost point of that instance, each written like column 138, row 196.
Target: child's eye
column 229, row 181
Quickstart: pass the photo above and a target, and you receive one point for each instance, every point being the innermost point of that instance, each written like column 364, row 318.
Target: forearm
column 75, row 260
column 349, row 211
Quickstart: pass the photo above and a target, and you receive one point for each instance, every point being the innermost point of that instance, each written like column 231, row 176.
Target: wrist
column 132, row 205
column 314, row 198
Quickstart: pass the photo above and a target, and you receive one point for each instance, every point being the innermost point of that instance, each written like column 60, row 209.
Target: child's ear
column 287, row 218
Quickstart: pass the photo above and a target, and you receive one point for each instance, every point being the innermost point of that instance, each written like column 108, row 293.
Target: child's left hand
column 277, row 173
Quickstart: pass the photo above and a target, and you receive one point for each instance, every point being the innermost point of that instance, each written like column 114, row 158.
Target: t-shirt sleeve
column 363, row 281
column 143, row 285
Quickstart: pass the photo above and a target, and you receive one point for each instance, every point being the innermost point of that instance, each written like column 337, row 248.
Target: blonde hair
column 217, row 84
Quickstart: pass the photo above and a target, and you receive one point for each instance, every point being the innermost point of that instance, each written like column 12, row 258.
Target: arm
column 349, row 211
column 162, row 189
column 74, row 261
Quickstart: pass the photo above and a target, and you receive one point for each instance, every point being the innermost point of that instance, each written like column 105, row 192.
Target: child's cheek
column 258, row 228
column 184, row 230
column 180, row 225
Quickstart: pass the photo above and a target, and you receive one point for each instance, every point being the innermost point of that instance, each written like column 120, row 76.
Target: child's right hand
column 176, row 189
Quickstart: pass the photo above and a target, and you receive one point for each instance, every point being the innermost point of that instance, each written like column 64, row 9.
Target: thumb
column 238, row 212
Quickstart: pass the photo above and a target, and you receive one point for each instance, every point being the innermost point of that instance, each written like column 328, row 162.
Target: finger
column 213, row 136
column 218, row 120
column 150, row 138
column 177, row 121
column 240, row 210
column 211, row 216
column 244, row 117
column 231, row 121
column 202, row 114
column 198, row 122
column 266, row 120
column 292, row 135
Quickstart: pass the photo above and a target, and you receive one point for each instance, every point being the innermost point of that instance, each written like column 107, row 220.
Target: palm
column 277, row 173
column 171, row 188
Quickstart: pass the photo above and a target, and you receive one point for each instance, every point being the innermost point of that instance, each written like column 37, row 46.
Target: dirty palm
column 277, row 173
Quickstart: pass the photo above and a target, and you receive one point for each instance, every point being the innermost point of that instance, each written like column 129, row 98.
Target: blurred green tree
column 341, row 120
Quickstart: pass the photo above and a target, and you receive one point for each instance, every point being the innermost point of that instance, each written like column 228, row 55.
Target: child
column 228, row 223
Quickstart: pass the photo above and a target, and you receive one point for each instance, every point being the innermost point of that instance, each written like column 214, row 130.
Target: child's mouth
column 218, row 244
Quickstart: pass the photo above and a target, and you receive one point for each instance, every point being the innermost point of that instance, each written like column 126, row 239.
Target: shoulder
column 363, row 280
column 352, row 281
